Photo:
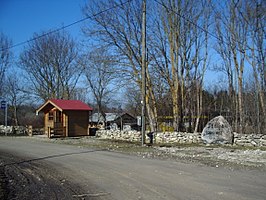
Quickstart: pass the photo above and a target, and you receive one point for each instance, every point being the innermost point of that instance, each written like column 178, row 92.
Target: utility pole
column 143, row 74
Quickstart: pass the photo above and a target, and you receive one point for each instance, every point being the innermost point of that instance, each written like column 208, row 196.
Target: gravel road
column 37, row 169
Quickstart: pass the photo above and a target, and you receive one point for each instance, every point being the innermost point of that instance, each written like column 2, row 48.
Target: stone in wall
column 7, row 130
column 217, row 131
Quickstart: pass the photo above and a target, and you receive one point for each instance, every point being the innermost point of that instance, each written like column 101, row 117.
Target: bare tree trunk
column 171, row 28
column 236, row 103
column 259, row 99
column 262, row 103
column 239, row 72
column 15, row 116
column 5, row 59
column 240, row 103
column 151, row 105
column 199, row 107
column 174, row 83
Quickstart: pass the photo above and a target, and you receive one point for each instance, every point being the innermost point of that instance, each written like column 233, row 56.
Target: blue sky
column 19, row 19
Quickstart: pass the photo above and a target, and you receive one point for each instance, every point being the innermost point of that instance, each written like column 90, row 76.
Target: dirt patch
column 3, row 184
column 23, row 179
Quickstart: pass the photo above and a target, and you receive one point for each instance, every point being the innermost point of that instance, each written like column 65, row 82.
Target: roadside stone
column 217, row 131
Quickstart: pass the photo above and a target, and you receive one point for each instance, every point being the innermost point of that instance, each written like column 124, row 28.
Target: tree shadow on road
column 52, row 156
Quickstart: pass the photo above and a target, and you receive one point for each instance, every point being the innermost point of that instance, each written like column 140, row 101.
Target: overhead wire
column 188, row 20
column 66, row 26
column 103, row 11
column 198, row 26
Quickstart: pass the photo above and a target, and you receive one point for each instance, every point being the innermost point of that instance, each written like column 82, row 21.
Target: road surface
column 57, row 171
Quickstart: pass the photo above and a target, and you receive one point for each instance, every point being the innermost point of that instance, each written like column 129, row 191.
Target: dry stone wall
column 258, row 140
column 132, row 136
column 13, row 130
column 166, row 137
column 20, row 130
column 250, row 139
column 177, row 137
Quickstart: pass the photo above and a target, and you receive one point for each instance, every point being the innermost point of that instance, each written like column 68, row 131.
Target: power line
column 191, row 22
column 66, row 26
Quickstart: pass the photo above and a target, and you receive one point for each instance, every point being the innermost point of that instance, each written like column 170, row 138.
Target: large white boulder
column 218, row 131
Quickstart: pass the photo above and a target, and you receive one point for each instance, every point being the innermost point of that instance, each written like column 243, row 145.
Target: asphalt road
column 100, row 174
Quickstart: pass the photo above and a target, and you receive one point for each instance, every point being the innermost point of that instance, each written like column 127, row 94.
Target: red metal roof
column 70, row 104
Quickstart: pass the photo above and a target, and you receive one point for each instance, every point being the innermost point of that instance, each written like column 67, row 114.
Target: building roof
column 110, row 117
column 97, row 117
column 61, row 105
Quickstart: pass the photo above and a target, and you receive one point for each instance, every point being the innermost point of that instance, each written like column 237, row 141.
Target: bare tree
column 50, row 61
column 120, row 30
column 226, row 66
column 100, row 73
column 15, row 95
column 181, row 53
column 5, row 58
column 238, row 44
column 240, row 32
column 133, row 99
column 255, row 17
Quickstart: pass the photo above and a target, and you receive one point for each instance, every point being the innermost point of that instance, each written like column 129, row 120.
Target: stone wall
column 250, row 139
column 13, row 130
column 132, row 136
column 20, row 130
column 166, row 137
column 179, row 137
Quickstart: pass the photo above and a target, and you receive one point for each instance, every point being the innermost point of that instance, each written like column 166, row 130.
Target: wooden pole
column 143, row 74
